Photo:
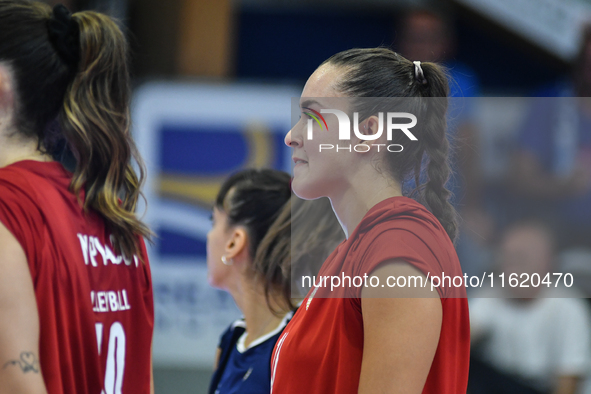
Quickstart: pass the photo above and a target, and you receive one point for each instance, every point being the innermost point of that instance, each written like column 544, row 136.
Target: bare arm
column 20, row 371
column 401, row 333
column 216, row 362
column 151, row 374
column 567, row 385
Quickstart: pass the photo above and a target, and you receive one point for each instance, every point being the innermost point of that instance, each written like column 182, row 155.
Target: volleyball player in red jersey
column 76, row 307
column 378, row 339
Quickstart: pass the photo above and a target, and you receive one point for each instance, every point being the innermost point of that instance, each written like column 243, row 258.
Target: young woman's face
column 217, row 239
column 319, row 171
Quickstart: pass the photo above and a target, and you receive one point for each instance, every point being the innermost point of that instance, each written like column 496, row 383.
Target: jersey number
column 115, row 357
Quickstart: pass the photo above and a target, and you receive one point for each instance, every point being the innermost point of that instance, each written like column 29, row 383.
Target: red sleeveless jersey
column 96, row 308
column 321, row 349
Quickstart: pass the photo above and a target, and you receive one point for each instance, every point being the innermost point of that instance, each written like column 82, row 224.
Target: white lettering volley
column 109, row 301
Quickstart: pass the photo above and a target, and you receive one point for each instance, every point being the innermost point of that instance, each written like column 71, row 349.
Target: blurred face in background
column 526, row 249
column 424, row 37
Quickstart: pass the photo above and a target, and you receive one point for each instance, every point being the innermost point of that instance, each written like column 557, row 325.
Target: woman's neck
column 362, row 194
column 259, row 318
column 14, row 149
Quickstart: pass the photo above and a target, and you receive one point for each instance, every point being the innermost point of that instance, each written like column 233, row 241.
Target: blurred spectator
column 429, row 37
column 425, row 35
column 533, row 343
column 552, row 164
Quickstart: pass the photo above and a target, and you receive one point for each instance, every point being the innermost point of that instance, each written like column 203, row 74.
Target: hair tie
column 419, row 75
column 64, row 34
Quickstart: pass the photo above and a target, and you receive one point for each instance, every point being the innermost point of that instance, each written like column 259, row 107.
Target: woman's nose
column 290, row 141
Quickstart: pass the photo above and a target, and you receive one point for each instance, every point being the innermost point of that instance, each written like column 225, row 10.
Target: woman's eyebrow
column 308, row 103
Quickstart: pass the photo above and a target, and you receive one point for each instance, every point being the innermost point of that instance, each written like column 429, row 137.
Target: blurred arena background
column 213, row 86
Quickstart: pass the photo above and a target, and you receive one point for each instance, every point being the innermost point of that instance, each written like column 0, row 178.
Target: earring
column 226, row 262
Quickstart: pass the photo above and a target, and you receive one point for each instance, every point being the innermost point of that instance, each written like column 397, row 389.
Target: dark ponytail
column 436, row 146
column 75, row 68
column 420, row 89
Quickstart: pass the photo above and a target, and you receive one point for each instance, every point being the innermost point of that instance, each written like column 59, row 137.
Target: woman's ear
column 371, row 126
column 237, row 242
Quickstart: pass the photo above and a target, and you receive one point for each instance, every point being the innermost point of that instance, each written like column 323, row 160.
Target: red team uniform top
column 96, row 310
column 321, row 349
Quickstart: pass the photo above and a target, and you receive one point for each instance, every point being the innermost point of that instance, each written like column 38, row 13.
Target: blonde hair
column 88, row 90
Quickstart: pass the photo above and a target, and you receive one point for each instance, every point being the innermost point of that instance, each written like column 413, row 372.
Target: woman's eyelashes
column 305, row 115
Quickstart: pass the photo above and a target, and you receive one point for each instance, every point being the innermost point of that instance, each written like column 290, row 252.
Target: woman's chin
column 214, row 282
column 304, row 191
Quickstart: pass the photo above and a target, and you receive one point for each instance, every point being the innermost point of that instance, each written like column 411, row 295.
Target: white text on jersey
column 92, row 247
column 109, row 301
